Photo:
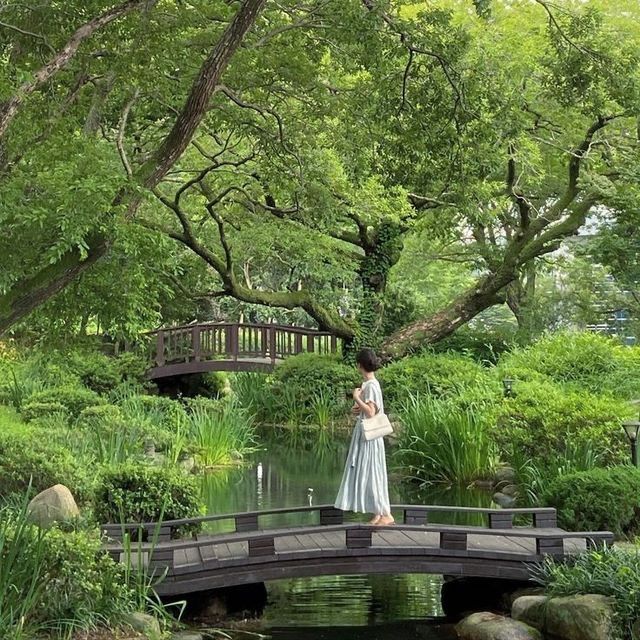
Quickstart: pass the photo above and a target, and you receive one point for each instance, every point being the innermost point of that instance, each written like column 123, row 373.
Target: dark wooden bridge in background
column 247, row 553
column 228, row 346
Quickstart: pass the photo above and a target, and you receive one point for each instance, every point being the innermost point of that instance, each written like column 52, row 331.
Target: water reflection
column 373, row 607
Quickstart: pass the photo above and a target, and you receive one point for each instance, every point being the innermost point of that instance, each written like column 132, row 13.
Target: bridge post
column 500, row 521
column 330, row 516
column 246, row 522
column 545, row 520
column 195, row 343
column 272, row 343
column 358, row 538
column 550, row 546
column 415, row 516
column 160, row 348
column 453, row 540
column 262, row 547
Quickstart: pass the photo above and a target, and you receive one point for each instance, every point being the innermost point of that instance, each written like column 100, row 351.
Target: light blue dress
column 364, row 487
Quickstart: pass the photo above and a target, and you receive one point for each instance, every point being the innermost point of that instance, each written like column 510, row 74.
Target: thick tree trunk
column 27, row 295
column 30, row 293
column 485, row 294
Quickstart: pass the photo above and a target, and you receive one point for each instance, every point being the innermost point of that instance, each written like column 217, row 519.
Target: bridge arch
column 231, row 346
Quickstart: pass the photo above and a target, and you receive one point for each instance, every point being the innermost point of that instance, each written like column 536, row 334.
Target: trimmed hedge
column 582, row 360
column 598, row 500
column 307, row 375
column 543, row 417
column 29, row 456
column 75, row 399
column 440, row 375
column 142, row 493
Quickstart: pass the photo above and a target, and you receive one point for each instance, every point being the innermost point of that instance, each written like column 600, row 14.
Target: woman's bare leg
column 386, row 520
column 375, row 519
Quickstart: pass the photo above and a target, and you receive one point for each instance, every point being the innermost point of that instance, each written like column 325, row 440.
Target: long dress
column 364, row 486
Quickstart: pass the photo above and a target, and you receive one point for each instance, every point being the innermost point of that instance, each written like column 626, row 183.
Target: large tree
column 75, row 199
column 341, row 131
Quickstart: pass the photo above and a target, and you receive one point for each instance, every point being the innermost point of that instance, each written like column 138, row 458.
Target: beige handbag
column 376, row 427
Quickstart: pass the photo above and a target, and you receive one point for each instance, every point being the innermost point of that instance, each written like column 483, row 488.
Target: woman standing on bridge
column 364, row 487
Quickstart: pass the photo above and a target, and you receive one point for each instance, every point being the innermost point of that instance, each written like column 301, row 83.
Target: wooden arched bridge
column 249, row 554
column 228, row 346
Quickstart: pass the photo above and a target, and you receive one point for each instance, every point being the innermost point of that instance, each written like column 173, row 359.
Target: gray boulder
column 504, row 475
column 530, row 609
column 586, row 617
column 489, row 626
column 187, row 635
column 145, row 624
column 505, row 501
column 53, row 505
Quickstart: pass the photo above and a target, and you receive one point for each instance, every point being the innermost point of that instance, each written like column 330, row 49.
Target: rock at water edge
column 586, row 617
column 531, row 610
column 489, row 626
column 55, row 504
column 145, row 624
column 187, row 635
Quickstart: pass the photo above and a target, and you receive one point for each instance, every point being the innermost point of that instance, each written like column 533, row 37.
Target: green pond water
column 339, row 607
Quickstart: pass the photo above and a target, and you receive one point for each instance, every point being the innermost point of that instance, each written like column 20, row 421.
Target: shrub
column 132, row 367
column 36, row 410
column 86, row 586
column 101, row 416
column 300, row 379
column 55, row 581
column 440, row 375
column 482, row 344
column 443, row 442
column 542, row 417
column 584, row 360
column 142, row 493
column 610, row 572
column 29, row 461
column 598, row 500
column 98, row 372
column 75, row 399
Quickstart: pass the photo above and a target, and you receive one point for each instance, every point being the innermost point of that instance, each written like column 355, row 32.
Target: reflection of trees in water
column 281, row 477
column 354, row 600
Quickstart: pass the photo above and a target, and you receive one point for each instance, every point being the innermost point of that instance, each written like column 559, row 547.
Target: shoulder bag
column 376, row 427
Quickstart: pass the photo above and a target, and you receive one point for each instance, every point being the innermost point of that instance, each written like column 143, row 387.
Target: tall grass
column 22, row 579
column 222, row 432
column 441, row 442
column 253, row 393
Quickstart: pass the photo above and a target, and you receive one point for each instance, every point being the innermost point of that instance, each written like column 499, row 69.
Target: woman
column 364, row 482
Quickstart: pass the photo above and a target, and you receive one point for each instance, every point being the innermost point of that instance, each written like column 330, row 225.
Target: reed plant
column 442, row 442
column 222, row 431
column 22, row 579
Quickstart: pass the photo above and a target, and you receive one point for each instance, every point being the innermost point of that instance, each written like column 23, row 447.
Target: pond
column 286, row 474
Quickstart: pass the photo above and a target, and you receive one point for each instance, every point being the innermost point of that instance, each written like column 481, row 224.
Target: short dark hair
column 368, row 360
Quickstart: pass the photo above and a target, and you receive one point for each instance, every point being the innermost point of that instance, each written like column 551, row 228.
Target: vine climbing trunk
column 381, row 252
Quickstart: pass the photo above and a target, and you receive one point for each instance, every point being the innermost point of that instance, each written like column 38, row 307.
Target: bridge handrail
column 247, row 515
column 253, row 536
column 245, row 325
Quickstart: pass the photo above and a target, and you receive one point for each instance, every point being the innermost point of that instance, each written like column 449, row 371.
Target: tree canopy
column 387, row 170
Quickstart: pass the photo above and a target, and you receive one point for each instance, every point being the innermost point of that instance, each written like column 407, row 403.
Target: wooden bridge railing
column 542, row 518
column 233, row 341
